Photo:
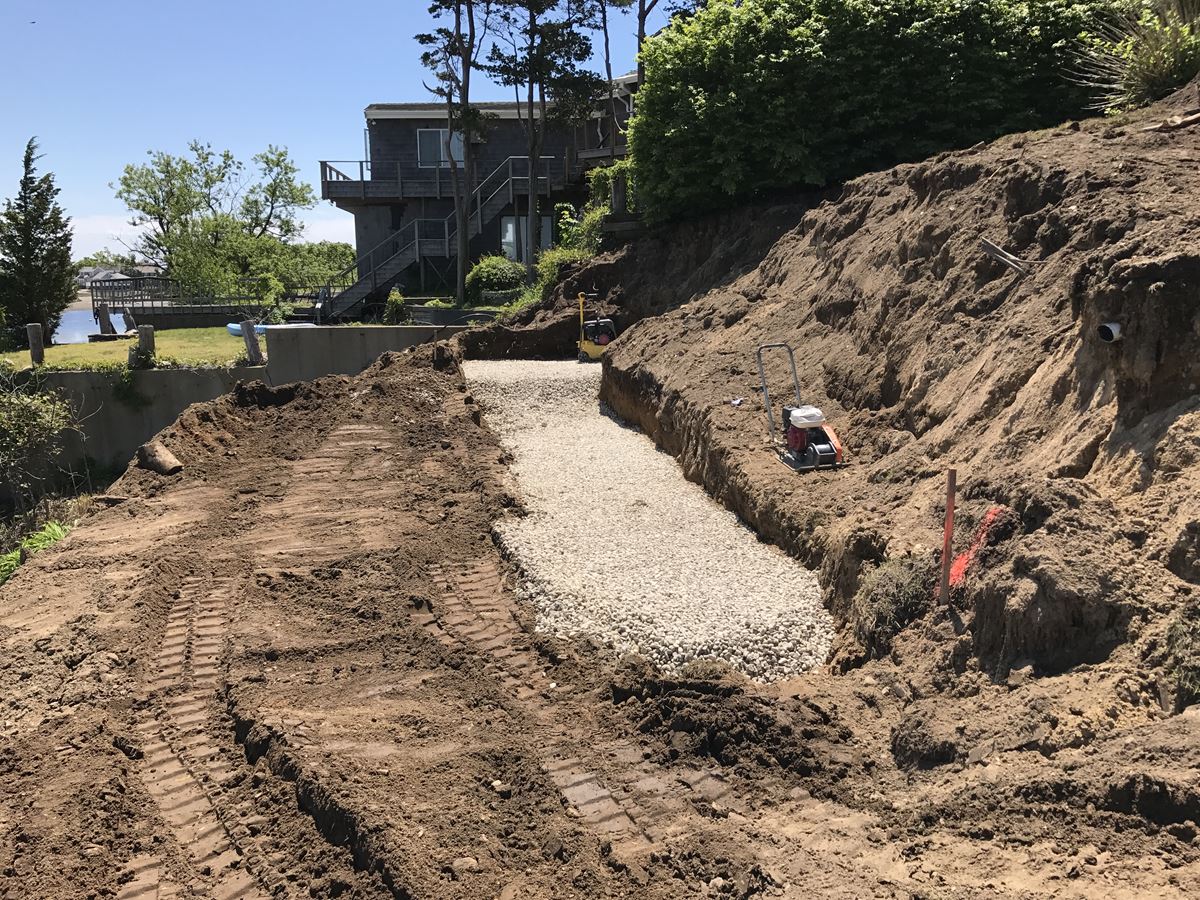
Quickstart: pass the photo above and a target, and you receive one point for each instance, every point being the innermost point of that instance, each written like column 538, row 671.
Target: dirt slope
column 1050, row 679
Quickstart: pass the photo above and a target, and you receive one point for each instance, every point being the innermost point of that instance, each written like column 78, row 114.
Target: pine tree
column 37, row 279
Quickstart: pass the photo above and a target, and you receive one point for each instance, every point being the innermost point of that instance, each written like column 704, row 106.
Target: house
column 88, row 274
column 402, row 194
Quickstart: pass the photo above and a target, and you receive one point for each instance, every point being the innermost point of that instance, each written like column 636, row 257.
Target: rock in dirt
column 464, row 865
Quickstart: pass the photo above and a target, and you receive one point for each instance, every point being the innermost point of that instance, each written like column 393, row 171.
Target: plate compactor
column 594, row 335
column 807, row 441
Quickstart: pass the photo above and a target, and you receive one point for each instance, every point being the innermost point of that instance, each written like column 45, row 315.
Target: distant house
column 88, row 274
column 402, row 195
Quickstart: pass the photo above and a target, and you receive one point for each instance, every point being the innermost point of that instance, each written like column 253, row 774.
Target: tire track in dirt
column 641, row 804
column 182, row 769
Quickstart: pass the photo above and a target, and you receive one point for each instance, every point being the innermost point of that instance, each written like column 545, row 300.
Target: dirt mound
column 927, row 354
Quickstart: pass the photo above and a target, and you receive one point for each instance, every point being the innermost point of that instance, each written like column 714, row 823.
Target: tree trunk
column 460, row 196
column 612, row 94
column 463, row 219
column 534, row 148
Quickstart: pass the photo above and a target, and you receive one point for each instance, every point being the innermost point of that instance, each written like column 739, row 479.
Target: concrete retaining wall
column 117, row 418
column 301, row 354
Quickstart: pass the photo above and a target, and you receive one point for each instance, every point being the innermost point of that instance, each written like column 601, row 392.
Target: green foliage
column 1183, row 653
column 748, row 97
column 126, row 392
column 440, row 304
column 107, row 259
column 44, row 538
column 37, row 277
column 548, row 274
column 394, row 312
column 493, row 273
column 1142, row 54
column 600, row 184
column 212, row 224
column 33, row 424
column 580, row 229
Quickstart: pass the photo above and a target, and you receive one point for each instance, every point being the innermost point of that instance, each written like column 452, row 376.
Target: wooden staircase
column 382, row 265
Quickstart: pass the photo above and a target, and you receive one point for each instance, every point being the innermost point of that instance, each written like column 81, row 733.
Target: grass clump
column 1183, row 653
column 890, row 597
column 46, row 536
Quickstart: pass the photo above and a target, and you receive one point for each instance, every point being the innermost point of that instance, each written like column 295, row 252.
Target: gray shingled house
column 402, row 197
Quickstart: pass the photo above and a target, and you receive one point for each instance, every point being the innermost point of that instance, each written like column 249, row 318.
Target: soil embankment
column 299, row 667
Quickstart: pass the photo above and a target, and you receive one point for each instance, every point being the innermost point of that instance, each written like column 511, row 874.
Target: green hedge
column 755, row 95
column 493, row 273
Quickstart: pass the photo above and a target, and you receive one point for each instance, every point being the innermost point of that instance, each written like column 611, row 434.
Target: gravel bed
column 619, row 546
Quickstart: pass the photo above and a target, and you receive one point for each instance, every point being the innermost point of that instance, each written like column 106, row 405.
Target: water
column 75, row 326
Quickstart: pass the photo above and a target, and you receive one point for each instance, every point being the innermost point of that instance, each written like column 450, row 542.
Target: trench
column 618, row 546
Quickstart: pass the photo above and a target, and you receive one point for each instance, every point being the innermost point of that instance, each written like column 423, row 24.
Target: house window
column 436, row 145
column 512, row 236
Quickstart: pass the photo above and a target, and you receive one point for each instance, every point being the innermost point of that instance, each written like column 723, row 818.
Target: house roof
column 500, row 109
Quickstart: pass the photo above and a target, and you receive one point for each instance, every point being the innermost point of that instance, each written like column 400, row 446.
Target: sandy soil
column 286, row 673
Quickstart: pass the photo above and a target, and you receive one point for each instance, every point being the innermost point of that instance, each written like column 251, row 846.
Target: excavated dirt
column 299, row 668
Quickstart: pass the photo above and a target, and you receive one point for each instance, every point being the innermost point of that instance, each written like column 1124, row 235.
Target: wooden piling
column 37, row 347
column 106, row 325
column 146, row 341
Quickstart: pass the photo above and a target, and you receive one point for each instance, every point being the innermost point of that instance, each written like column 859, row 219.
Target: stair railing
column 410, row 235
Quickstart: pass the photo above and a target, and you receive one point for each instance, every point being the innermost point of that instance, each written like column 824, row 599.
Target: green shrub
column 580, row 230
column 1142, row 54
column 394, row 312
column 493, row 273
column 748, row 97
column 440, row 304
column 548, row 273
column 600, row 184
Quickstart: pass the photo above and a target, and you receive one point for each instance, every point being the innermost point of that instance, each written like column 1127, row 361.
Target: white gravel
column 619, row 546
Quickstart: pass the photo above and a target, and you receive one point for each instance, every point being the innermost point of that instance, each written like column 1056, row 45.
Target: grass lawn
column 204, row 346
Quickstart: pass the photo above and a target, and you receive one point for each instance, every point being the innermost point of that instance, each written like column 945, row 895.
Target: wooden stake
column 948, row 536
column 253, row 351
column 37, row 349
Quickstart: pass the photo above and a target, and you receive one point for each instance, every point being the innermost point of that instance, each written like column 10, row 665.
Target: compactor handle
column 762, row 379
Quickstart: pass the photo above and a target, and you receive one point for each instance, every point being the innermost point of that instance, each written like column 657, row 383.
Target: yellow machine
column 594, row 335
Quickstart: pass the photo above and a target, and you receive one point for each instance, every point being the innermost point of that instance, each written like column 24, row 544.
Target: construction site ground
column 303, row 666
column 284, row 673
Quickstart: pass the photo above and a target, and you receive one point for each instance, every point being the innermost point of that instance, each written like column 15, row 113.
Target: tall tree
column 452, row 54
column 540, row 57
column 596, row 14
column 37, row 277
column 645, row 7
column 201, row 215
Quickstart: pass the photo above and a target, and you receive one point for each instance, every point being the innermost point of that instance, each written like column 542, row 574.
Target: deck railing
column 361, row 179
column 167, row 295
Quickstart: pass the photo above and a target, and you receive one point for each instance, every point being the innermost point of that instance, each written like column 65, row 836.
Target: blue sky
column 100, row 82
